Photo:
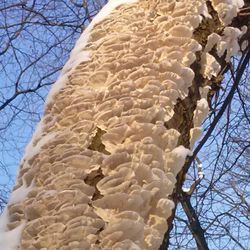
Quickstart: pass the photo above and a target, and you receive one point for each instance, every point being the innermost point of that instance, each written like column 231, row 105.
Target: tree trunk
column 105, row 165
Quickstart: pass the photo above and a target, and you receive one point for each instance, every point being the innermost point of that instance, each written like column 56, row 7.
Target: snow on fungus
column 20, row 193
column 212, row 40
column 195, row 134
column 229, row 42
column 32, row 150
column 200, row 112
column 210, row 66
column 103, row 159
column 56, row 87
column 227, row 9
column 4, row 220
column 9, row 240
column 176, row 159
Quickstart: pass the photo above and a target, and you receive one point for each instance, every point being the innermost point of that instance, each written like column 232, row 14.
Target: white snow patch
column 229, row 42
column 210, row 67
column 4, row 220
column 186, row 190
column 182, row 152
column 200, row 172
column 32, row 150
column 201, row 111
column 56, row 87
column 195, row 134
column 10, row 240
column 227, row 9
column 203, row 104
column 238, row 3
column 226, row 43
column 20, row 193
column 74, row 61
column 212, row 40
column 203, row 10
column 176, row 159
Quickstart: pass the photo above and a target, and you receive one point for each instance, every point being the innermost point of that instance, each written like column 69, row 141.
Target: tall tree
column 106, row 165
column 36, row 37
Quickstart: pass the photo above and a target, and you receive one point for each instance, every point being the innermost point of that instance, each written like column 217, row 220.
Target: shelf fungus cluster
column 102, row 164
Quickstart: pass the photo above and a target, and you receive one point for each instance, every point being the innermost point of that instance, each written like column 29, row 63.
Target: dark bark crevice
column 96, row 144
column 92, row 179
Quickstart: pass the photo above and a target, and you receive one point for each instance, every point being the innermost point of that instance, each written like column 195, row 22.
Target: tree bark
column 104, row 169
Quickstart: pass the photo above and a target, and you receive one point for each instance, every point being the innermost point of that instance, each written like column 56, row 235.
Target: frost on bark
column 118, row 125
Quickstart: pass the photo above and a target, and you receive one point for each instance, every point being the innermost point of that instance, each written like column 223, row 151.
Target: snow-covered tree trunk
column 118, row 126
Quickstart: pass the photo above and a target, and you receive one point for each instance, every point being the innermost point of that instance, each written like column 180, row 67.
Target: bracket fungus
column 102, row 165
